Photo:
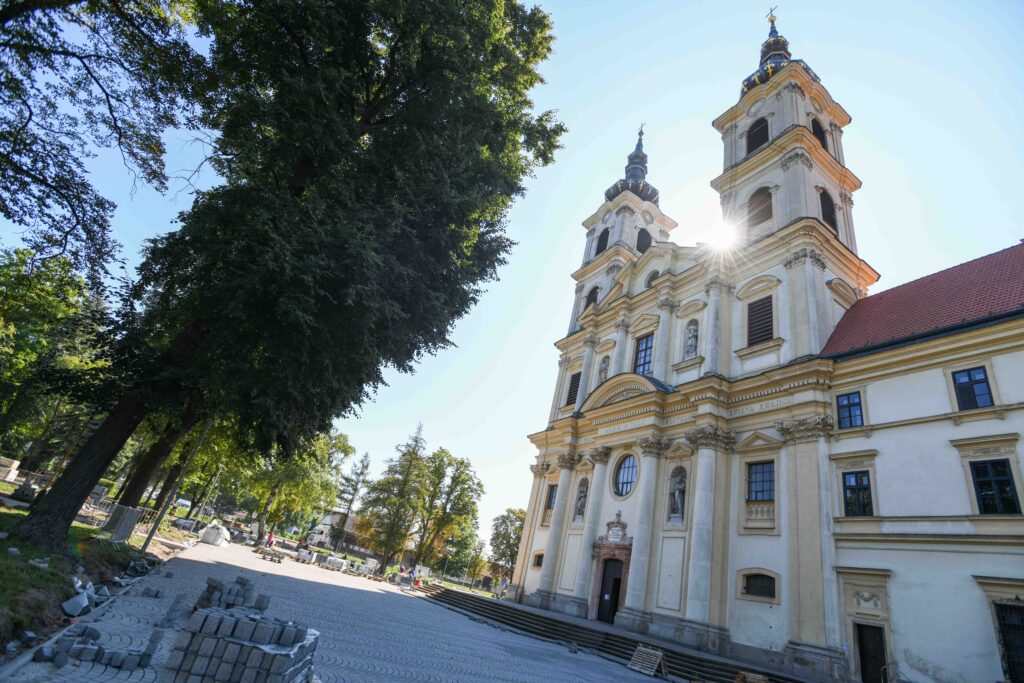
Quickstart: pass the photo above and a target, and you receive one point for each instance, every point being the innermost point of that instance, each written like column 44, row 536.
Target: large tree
column 352, row 485
column 391, row 502
column 450, row 491
column 77, row 75
column 371, row 152
column 506, row 533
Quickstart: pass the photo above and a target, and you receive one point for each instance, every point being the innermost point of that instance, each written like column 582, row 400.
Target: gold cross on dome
column 771, row 14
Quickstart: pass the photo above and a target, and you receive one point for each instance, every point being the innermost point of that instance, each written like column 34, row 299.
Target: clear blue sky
column 936, row 94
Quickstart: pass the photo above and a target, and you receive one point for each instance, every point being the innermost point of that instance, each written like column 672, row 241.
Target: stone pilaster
column 708, row 442
column 713, row 327
column 566, row 463
column 619, row 360
column 585, row 566
column 529, row 526
column 588, row 361
column 814, row 613
column 633, row 615
column 559, row 387
column 662, row 338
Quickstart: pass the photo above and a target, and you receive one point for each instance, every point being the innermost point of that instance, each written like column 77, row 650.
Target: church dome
column 774, row 55
column 636, row 176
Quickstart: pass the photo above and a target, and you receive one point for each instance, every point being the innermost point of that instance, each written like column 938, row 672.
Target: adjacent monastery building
column 748, row 454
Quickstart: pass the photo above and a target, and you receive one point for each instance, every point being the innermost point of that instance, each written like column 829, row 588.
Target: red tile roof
column 989, row 286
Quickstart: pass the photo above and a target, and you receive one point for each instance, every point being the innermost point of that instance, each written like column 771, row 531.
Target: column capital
column 718, row 283
column 654, row 446
column 579, row 287
column 668, row 304
column 711, row 436
column 539, row 469
column 567, row 461
column 622, row 325
column 614, row 269
column 591, row 341
column 801, row 255
column 797, row 156
column 599, row 455
column 804, row 429
column 563, row 361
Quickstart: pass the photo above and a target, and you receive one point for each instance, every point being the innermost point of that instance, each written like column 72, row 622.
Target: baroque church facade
column 749, row 455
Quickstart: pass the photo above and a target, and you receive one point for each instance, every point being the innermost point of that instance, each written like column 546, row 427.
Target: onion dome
column 774, row 55
column 636, row 176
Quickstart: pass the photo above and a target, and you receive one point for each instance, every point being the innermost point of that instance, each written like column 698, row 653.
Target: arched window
column 591, row 298
column 757, row 135
column 819, row 133
column 625, row 475
column 602, row 241
column 579, row 507
column 690, row 342
column 643, row 241
column 651, row 277
column 759, row 207
column 828, row 210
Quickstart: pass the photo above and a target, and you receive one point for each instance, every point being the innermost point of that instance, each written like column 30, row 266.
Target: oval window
column 625, row 475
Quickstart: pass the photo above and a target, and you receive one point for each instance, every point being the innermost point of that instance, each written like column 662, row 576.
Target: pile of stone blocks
column 238, row 646
column 239, row 594
column 79, row 642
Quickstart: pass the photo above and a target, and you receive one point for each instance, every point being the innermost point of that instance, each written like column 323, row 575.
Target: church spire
column 636, row 175
column 774, row 55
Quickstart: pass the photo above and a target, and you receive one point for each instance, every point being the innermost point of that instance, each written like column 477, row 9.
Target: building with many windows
column 748, row 454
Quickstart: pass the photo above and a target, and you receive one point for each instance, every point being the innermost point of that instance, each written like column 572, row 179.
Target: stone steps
column 682, row 663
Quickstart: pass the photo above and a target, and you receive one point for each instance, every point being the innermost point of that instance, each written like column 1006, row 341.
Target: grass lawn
column 30, row 597
column 7, row 487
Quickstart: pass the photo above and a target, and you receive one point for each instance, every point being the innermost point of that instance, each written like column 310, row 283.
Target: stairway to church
column 682, row 663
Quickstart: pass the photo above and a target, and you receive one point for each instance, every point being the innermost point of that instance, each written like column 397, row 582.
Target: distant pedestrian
column 270, row 540
column 504, row 586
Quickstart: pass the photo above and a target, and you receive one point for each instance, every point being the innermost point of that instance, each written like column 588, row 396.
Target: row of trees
column 367, row 154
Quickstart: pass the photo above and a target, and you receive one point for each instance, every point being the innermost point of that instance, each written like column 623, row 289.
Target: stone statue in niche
column 602, row 370
column 690, row 349
column 677, row 493
column 580, row 508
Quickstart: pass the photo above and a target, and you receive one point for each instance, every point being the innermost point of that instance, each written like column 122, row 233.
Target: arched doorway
column 611, row 590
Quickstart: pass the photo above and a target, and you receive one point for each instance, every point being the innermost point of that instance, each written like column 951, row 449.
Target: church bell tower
column 783, row 151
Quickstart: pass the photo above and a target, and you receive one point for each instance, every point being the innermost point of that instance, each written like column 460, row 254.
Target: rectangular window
column 972, row 390
column 761, row 585
column 848, row 410
column 761, row 481
column 857, row 494
column 552, row 491
column 993, row 485
column 759, row 321
column 644, row 353
column 574, row 389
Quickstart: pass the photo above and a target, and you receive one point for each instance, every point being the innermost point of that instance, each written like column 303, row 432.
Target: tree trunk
column 262, row 528
column 51, row 516
column 172, row 478
column 135, row 487
column 201, row 494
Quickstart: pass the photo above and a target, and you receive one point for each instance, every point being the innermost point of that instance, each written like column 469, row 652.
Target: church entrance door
column 611, row 587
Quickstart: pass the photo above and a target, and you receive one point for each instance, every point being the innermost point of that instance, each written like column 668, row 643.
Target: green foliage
column 450, row 491
column 78, row 76
column 506, row 533
column 352, row 484
column 375, row 213
column 389, row 509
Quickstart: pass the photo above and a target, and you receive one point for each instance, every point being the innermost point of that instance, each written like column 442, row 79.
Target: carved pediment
column 619, row 388
column 759, row 441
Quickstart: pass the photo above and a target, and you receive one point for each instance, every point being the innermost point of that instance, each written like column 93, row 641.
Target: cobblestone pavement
column 369, row 631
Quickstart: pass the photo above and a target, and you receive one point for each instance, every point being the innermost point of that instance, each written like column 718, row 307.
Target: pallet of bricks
column 239, row 594
column 238, row 646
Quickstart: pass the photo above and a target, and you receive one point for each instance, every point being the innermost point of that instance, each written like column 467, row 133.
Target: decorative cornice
column 599, row 455
column 654, row 446
column 796, row 157
column 567, row 461
column 788, row 88
column 711, row 436
column 719, row 284
column 540, row 469
column 800, row 255
column 805, row 429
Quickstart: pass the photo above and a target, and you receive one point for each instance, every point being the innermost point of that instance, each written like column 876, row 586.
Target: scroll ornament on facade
column 805, row 429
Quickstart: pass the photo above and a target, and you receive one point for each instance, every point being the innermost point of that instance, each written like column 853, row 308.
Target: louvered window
column 759, row 207
column 574, row 389
column 759, row 321
column 757, row 135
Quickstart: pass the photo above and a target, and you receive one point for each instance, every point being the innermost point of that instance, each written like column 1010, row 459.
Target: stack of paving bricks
column 238, row 594
column 79, row 642
column 236, row 646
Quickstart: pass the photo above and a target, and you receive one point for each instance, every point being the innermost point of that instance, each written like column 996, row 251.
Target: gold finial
column 771, row 14
column 640, row 133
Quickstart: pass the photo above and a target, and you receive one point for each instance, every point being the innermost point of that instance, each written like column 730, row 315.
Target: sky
column 936, row 94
